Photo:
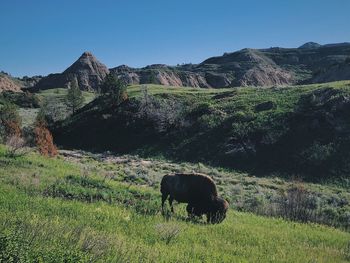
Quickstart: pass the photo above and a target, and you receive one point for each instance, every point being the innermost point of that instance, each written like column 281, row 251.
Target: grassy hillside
column 60, row 94
column 29, row 104
column 52, row 211
column 268, row 196
column 295, row 131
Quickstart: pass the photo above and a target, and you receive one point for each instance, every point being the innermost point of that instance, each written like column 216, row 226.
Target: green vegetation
column 326, row 204
column 21, row 99
column 60, row 93
column 297, row 131
column 54, row 104
column 74, row 98
column 53, row 210
column 83, row 207
column 53, row 101
column 10, row 121
column 114, row 89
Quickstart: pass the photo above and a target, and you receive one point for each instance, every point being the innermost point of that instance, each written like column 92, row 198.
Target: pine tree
column 115, row 88
column 74, row 98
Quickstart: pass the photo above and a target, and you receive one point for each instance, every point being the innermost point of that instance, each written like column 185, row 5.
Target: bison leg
column 194, row 211
column 212, row 218
column 171, row 199
column 190, row 211
column 208, row 218
column 164, row 197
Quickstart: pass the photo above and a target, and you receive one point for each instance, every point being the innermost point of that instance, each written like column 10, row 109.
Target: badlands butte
column 276, row 66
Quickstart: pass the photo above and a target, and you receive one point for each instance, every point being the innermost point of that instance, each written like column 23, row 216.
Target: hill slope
column 297, row 130
column 87, row 226
column 8, row 84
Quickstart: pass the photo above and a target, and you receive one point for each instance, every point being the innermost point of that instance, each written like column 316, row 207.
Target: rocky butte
column 275, row 66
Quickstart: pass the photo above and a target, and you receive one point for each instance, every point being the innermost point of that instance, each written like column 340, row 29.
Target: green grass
column 135, row 90
column 55, row 97
column 244, row 191
column 248, row 93
column 35, row 227
column 60, row 93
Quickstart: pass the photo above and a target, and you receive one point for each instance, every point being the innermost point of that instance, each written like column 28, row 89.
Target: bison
column 198, row 191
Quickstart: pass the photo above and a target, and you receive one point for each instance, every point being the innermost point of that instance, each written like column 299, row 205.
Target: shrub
column 255, row 204
column 316, row 154
column 163, row 113
column 15, row 146
column 210, row 121
column 43, row 138
column 53, row 110
column 10, row 121
column 23, row 99
column 296, row 204
column 345, row 221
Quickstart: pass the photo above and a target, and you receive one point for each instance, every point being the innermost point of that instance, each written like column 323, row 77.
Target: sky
column 39, row 37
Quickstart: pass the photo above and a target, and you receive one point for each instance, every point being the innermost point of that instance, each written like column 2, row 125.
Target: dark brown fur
column 198, row 190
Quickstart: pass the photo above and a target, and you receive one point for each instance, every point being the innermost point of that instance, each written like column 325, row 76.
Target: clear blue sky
column 46, row 36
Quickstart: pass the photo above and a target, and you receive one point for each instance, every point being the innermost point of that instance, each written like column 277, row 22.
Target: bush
column 345, row 220
column 10, row 121
column 53, row 110
column 316, row 154
column 163, row 113
column 23, row 100
column 43, row 138
column 255, row 204
column 15, row 146
column 297, row 204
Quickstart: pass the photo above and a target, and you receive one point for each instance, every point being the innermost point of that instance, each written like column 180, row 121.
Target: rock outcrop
column 336, row 72
column 310, row 63
column 87, row 71
column 160, row 74
column 8, row 84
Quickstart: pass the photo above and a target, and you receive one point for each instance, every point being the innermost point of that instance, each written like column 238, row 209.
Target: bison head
column 218, row 210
